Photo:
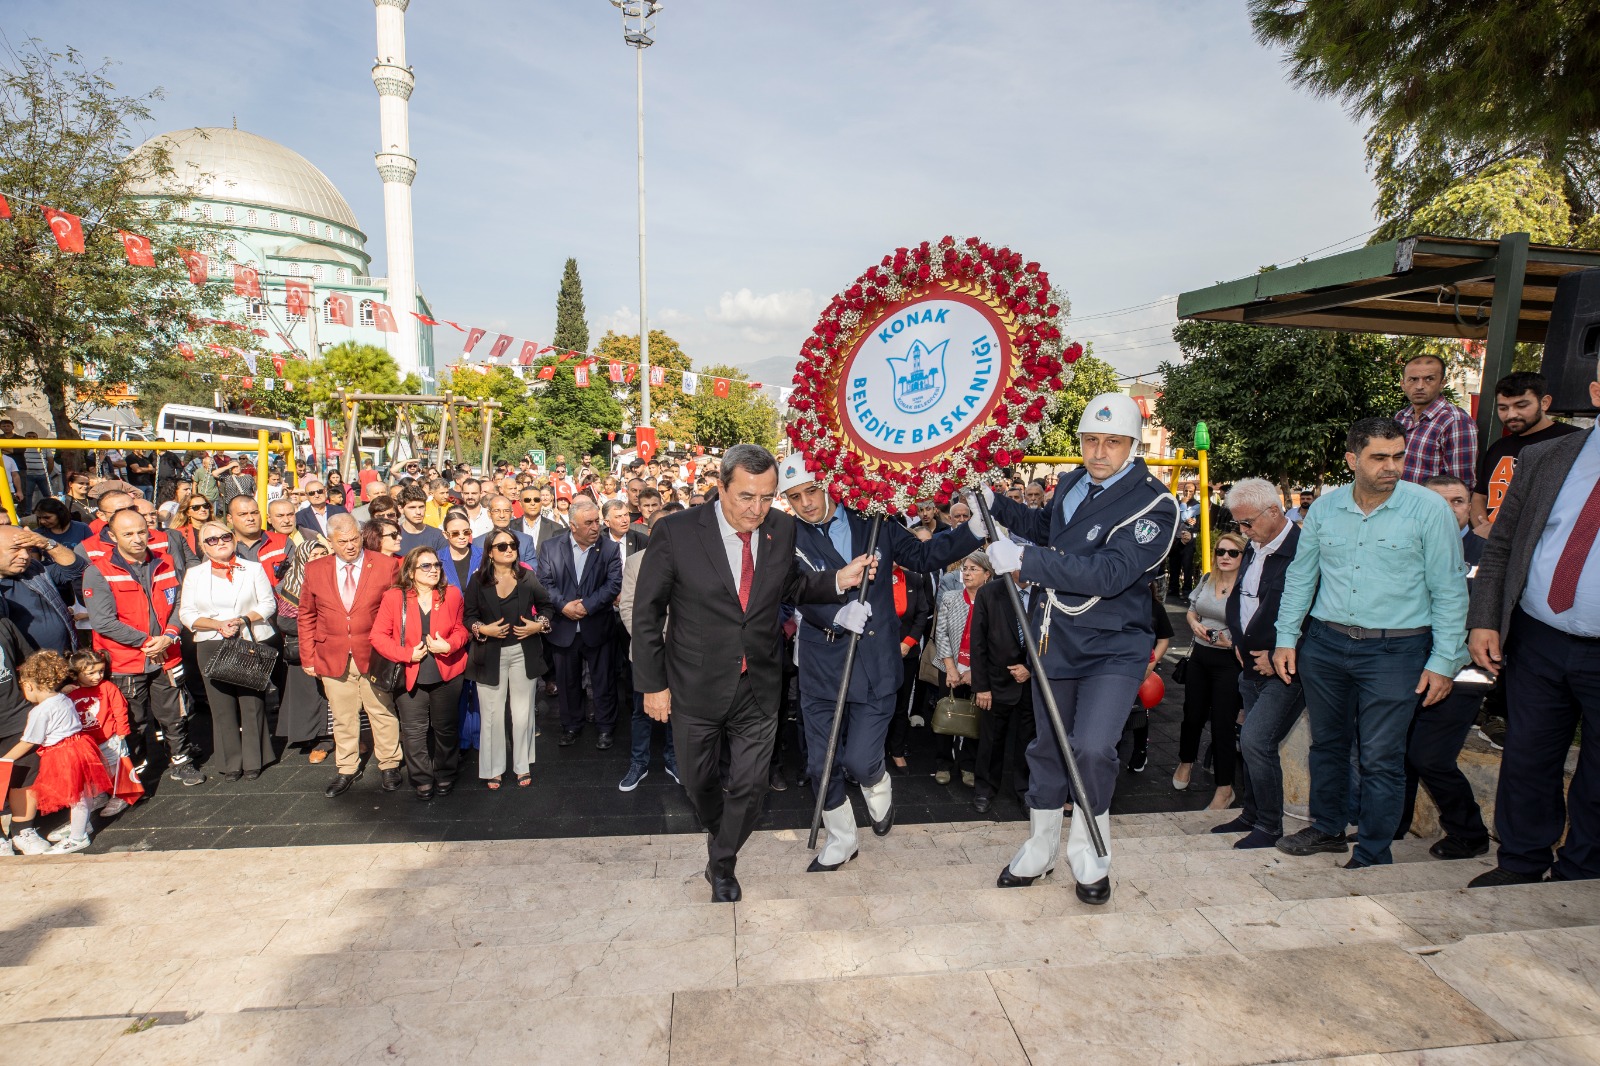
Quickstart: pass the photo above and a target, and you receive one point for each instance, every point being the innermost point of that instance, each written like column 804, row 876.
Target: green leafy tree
column 573, row 421
column 354, row 368
column 79, row 327
column 572, row 331
column 669, row 409
column 1090, row 377
column 745, row 416
column 1278, row 401
column 516, row 425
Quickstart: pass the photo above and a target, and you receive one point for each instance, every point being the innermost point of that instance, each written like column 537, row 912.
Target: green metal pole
column 1510, row 268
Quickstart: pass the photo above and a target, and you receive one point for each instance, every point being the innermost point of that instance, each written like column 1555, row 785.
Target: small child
column 104, row 712
column 70, row 771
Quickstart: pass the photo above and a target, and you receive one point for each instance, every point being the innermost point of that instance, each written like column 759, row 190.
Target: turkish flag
column 248, row 383
column 647, row 442
column 473, row 337
column 277, row 365
column 502, row 344
column 616, row 370
column 658, row 375
column 546, row 373
column 340, row 311
column 187, row 351
column 719, row 388
column 198, row 265
column 458, row 326
column 68, row 229
column 424, row 319
column 5, row 208
column 383, row 318
column 246, row 281
column 630, row 372
column 756, row 385
column 529, row 350
column 296, row 296
column 580, row 374
column 137, row 249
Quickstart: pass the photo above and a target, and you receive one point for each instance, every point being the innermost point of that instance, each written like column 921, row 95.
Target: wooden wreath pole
column 844, row 692
column 1036, row 665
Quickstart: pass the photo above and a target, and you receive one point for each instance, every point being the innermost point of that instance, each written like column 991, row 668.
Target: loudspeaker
column 1572, row 343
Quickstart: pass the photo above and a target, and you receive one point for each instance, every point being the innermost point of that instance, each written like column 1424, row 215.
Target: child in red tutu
column 104, row 712
column 70, row 771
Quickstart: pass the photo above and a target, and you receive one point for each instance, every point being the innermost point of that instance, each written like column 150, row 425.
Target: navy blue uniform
column 879, row 670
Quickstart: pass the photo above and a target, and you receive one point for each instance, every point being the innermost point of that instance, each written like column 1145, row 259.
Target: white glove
column 979, row 528
column 1004, row 556
column 988, row 496
column 853, row 616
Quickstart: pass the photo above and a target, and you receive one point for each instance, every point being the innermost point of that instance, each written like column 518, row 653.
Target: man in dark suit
column 534, row 522
column 339, row 598
column 583, row 572
column 1537, row 597
column 630, row 540
column 1271, row 707
column 499, row 508
column 317, row 512
column 1003, row 688
column 721, row 571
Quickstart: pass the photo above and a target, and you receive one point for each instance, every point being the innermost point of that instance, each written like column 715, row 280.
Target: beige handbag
column 953, row 717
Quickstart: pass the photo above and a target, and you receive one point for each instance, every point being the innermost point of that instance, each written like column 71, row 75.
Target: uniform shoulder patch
column 1145, row 530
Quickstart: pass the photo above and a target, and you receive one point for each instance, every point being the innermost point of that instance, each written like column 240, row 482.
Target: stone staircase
column 606, row 950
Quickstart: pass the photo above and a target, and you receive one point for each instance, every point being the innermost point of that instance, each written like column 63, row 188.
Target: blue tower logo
column 919, row 378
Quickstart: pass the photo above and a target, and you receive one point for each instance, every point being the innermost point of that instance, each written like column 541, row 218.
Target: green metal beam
column 1505, row 313
column 1346, row 268
column 1378, row 290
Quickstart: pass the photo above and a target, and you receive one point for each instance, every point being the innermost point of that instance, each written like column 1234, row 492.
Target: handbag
column 954, row 717
column 1180, row 671
column 243, row 661
column 383, row 673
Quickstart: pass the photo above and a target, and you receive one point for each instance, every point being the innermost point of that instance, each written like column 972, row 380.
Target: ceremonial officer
column 827, row 537
column 1092, row 549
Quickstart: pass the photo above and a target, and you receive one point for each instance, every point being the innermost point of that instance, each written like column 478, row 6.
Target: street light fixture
column 636, row 27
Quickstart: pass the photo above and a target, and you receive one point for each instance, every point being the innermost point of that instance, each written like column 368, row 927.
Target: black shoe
column 233, row 775
column 819, row 867
column 1356, row 864
column 185, row 773
column 567, row 739
column 981, row 804
column 1311, row 840
column 341, row 784
column 603, row 742
column 392, row 779
column 1253, row 840
column 443, row 788
column 882, row 828
column 723, row 889
column 1500, row 876
column 1007, row 879
column 1097, row 894
column 1456, row 848
column 251, row 775
column 1138, row 761
column 776, row 781
column 1238, row 825
column 425, row 792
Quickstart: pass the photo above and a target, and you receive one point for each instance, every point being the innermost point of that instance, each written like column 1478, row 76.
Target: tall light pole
column 636, row 27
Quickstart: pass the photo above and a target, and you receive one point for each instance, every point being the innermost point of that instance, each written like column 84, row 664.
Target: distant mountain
column 774, row 370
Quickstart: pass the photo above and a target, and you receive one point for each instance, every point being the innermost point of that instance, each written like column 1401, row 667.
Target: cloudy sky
column 1137, row 149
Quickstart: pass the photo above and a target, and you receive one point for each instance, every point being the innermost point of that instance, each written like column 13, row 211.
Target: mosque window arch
column 368, row 316
column 344, row 275
column 227, row 213
column 316, row 271
column 258, row 310
column 326, row 316
column 250, row 217
column 272, row 219
column 205, row 212
column 294, row 224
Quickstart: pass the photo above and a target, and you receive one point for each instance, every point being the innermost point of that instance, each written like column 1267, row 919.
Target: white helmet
column 1112, row 412
column 792, row 473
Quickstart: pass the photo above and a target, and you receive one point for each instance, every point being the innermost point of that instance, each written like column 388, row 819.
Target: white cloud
column 795, row 307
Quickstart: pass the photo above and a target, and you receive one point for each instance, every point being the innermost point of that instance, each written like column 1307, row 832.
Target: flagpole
column 636, row 26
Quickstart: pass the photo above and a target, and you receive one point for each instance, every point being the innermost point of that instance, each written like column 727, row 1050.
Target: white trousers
column 515, row 688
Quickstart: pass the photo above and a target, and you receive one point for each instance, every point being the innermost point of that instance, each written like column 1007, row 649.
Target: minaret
column 397, row 168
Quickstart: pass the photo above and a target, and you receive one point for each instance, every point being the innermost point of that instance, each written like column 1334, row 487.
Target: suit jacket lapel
column 711, row 540
column 769, row 566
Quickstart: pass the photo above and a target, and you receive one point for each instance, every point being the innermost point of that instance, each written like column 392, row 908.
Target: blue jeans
column 1360, row 692
column 1271, row 709
column 643, row 726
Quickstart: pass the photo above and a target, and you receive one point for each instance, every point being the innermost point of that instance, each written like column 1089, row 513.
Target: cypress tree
column 572, row 332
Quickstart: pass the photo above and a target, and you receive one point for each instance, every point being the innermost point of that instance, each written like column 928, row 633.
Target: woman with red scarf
column 953, row 646
column 220, row 597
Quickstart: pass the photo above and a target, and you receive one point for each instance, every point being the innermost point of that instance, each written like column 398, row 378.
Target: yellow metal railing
column 265, row 446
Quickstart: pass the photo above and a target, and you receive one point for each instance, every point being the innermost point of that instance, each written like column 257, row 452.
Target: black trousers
column 1180, row 568
column 241, row 741
column 998, row 728
column 430, row 720
column 153, row 698
column 748, row 732
column 1211, row 694
column 900, row 724
column 1432, row 747
column 959, row 754
column 1552, row 685
column 569, row 680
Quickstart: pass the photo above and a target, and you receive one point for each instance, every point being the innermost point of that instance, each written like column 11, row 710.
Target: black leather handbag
column 244, row 661
column 383, row 673
column 956, row 717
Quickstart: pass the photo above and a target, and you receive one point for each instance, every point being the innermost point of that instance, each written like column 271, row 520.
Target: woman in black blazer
column 508, row 612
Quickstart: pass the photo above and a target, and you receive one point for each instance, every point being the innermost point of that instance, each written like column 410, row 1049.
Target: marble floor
column 604, row 950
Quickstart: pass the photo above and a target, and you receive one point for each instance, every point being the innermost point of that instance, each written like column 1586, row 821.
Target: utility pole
column 636, row 27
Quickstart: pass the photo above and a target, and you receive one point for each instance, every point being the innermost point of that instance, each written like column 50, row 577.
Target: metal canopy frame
column 449, row 422
column 1496, row 291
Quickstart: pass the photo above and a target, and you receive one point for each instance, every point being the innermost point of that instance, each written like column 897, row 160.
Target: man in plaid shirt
column 1441, row 438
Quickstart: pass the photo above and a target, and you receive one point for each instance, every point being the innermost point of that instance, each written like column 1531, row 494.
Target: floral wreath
column 1016, row 297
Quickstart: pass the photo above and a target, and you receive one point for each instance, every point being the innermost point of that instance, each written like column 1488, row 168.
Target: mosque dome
column 218, row 163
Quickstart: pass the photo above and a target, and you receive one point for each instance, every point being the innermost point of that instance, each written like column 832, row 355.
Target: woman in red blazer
column 420, row 623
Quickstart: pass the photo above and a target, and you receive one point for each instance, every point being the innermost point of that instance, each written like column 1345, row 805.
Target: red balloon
column 1151, row 691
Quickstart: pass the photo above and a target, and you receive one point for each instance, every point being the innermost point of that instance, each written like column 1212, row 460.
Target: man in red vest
column 132, row 596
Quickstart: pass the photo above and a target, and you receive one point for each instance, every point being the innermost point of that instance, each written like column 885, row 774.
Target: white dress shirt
column 1250, row 582
column 481, row 524
column 205, row 595
column 733, row 546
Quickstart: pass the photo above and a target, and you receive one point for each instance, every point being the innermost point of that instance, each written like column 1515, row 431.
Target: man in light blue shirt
column 1379, row 571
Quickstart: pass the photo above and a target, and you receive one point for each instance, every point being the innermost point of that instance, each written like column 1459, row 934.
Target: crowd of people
column 411, row 620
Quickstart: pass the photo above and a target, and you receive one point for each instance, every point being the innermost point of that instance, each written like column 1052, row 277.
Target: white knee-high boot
column 1037, row 856
column 880, row 804
column 840, row 845
column 1087, row 867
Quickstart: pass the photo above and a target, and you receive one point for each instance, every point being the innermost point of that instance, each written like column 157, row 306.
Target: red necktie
column 747, row 572
column 1580, row 542
column 348, row 592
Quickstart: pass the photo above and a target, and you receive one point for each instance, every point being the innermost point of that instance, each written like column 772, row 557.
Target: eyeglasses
column 458, row 533
column 503, row 546
column 388, row 533
column 1247, row 523
column 225, row 538
column 316, row 492
column 429, row 566
column 1229, row 553
column 199, row 507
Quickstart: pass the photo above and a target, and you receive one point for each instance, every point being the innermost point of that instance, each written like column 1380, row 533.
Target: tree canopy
column 670, row 412
column 572, row 330
column 744, row 416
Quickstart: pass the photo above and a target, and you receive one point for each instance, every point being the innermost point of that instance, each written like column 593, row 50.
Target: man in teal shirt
column 1379, row 571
